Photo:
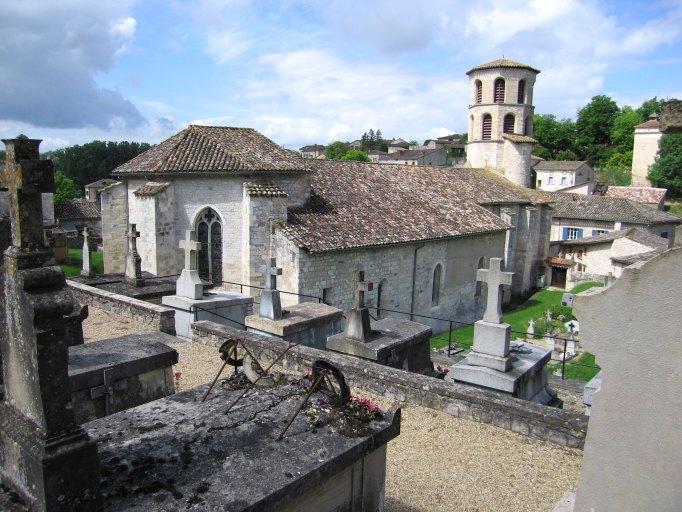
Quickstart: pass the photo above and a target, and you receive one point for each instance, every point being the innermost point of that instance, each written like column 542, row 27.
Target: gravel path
column 438, row 463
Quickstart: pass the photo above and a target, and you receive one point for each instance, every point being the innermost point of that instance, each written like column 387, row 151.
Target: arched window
column 435, row 290
column 526, row 126
column 210, row 234
column 522, row 92
column 381, row 298
column 479, row 91
column 487, row 127
column 508, row 123
column 499, row 91
column 479, row 284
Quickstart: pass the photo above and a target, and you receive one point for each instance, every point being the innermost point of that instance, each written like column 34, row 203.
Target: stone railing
column 161, row 317
column 554, row 425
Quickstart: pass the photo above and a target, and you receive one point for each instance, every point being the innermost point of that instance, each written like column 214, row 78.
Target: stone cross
column 87, row 270
column 271, row 273
column 361, row 287
column 495, row 277
column 26, row 177
column 191, row 247
column 133, row 275
column 270, row 302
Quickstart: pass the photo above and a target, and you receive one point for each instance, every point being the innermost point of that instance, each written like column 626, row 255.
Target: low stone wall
column 163, row 318
column 554, row 425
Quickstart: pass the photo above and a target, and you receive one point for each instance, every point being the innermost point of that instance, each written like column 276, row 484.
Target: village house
column 92, row 190
column 437, row 156
column 77, row 213
column 645, row 149
column 578, row 216
column 312, row 151
column 323, row 220
column 596, row 257
column 553, row 175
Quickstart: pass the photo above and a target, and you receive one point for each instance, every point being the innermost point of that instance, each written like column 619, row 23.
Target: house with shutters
column 553, row 175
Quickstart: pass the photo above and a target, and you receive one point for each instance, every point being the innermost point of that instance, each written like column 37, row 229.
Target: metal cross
column 496, row 278
column 26, row 177
column 190, row 246
column 361, row 286
column 271, row 273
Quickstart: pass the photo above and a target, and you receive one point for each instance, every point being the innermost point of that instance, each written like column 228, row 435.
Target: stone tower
column 501, row 118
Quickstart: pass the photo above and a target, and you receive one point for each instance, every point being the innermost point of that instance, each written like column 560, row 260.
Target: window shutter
column 580, row 232
column 508, row 123
column 565, row 235
column 487, row 127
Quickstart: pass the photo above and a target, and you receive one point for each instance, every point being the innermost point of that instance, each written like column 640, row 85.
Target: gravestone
column 47, row 458
column 491, row 363
column 191, row 302
column 567, row 299
column 133, row 274
column 308, row 323
column 392, row 342
column 87, row 270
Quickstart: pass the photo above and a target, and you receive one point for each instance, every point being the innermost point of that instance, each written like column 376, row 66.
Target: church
column 418, row 232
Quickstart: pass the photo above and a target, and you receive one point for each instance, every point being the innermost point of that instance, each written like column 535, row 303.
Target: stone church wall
column 392, row 267
column 644, row 154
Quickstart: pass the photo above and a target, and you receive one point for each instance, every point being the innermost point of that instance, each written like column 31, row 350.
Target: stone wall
column 161, row 317
column 516, row 162
column 644, row 154
column 554, row 425
column 114, row 227
column 390, row 269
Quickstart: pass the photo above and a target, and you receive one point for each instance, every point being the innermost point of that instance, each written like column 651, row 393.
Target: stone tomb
column 109, row 376
column 308, row 323
column 390, row 341
column 192, row 303
column 492, row 363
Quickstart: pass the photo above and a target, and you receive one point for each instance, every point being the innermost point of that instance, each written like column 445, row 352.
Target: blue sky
column 311, row 71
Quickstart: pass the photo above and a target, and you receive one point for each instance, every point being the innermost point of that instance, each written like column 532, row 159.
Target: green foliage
column 674, row 207
column 667, row 169
column 566, row 154
column 595, row 121
column 372, row 140
column 64, row 188
column 464, row 138
column 649, row 107
column 623, row 130
column 617, row 169
column 355, row 154
column 94, row 160
column 563, row 313
column 553, row 135
column 581, row 368
column 336, row 150
column 74, row 263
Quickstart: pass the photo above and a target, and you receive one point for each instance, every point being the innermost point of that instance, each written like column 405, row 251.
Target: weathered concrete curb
column 554, row 425
column 161, row 317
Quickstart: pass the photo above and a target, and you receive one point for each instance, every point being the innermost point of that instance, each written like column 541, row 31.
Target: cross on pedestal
column 133, row 275
column 495, row 277
column 26, row 177
column 191, row 247
column 87, row 270
column 133, row 235
column 271, row 273
column 361, row 287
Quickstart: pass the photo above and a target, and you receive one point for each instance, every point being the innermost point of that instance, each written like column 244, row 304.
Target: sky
column 309, row 71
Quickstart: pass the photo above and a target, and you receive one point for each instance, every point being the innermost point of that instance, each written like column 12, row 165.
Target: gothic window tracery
column 210, row 234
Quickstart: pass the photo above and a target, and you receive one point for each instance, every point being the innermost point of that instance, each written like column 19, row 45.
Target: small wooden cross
column 271, row 273
column 496, row 278
column 361, row 286
column 191, row 247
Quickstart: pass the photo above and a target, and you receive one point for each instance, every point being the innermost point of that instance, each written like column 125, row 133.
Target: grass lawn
column 576, row 371
column 518, row 317
column 674, row 206
column 74, row 262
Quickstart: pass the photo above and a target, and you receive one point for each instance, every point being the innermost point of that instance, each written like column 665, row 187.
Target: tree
column 553, row 135
column 650, row 107
column 595, row 121
column 464, row 138
column 356, row 154
column 64, row 188
column 566, row 154
column 617, row 169
column 336, row 150
column 666, row 171
column 94, row 160
column 623, row 131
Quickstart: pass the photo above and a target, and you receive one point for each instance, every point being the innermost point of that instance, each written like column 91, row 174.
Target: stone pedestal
column 308, row 323
column 526, row 377
column 225, row 308
column 392, row 342
column 491, row 346
column 590, row 389
column 112, row 375
column 189, row 285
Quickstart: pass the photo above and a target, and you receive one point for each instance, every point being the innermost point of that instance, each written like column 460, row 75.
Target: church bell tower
column 500, row 125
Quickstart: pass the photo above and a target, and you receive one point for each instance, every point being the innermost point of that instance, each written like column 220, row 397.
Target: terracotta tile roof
column 502, row 63
column 359, row 204
column 651, row 123
column 213, row 149
column 647, row 195
column 516, row 137
column 100, row 183
column 612, row 209
column 264, row 189
column 151, row 189
column 639, row 235
column 629, row 259
column 559, row 165
column 76, row 209
column 556, row 261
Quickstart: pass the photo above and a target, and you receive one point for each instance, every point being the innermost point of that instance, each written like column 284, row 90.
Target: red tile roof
column 651, row 123
column 151, row 189
column 502, row 63
column 648, row 195
column 76, row 209
column 556, row 261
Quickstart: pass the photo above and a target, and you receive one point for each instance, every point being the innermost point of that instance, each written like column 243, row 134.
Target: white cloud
column 214, row 121
column 226, row 46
